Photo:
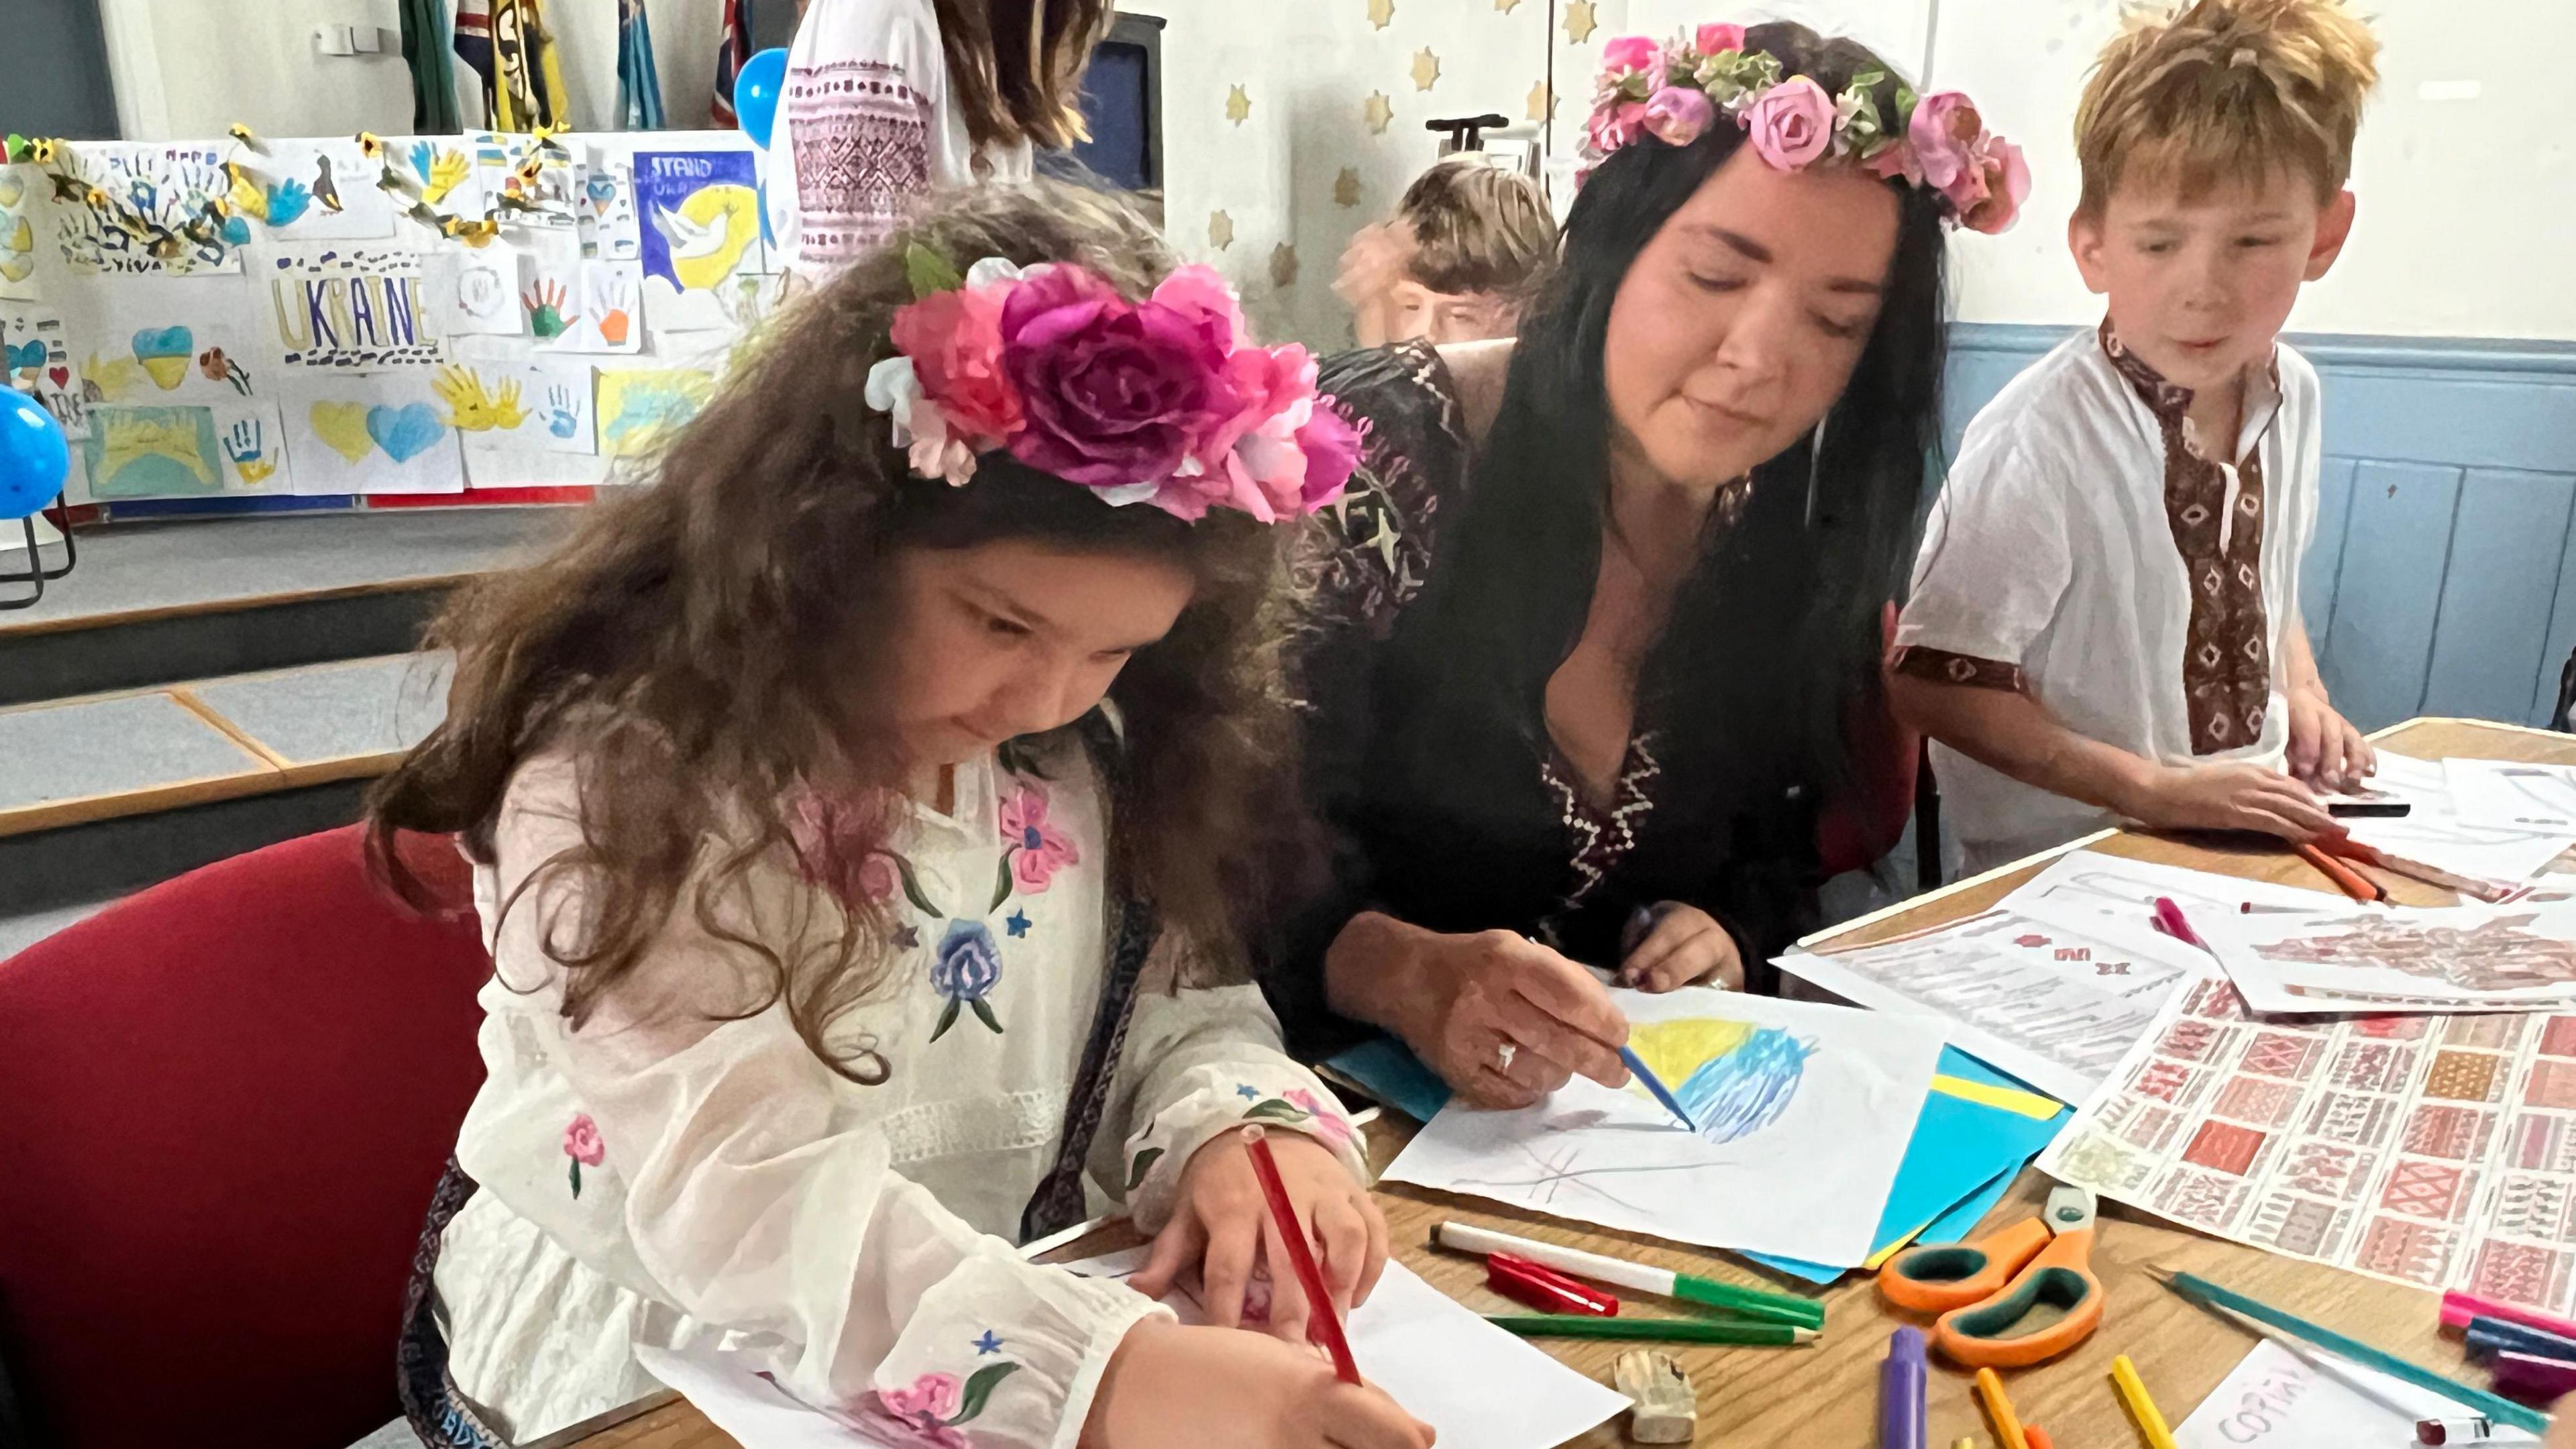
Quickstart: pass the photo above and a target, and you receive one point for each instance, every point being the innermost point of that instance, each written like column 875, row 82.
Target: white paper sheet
column 1449, row 1368
column 1804, row 1110
column 2054, row 1006
column 2435, row 833
column 540, row 404
column 2087, row 883
column 2434, row 1151
column 2281, row 1398
column 1474, row 1383
column 22, row 192
column 2507, row 795
column 2374, row 958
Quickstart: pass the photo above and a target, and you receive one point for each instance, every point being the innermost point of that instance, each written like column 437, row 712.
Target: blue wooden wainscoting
column 2443, row 578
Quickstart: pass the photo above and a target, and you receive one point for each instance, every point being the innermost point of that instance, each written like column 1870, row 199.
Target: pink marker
column 2459, row 1308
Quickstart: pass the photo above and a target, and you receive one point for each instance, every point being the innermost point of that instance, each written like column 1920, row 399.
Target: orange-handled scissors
column 1986, row 1290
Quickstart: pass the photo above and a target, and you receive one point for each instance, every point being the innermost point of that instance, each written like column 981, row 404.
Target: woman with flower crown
column 1590, row 653
column 856, row 815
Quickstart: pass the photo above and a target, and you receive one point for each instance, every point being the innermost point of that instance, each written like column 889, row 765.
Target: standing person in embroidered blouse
column 886, row 99
column 855, row 814
column 1594, row 649
column 2105, row 618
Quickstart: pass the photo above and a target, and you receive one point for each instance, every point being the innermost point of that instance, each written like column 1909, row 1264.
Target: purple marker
column 1900, row 1391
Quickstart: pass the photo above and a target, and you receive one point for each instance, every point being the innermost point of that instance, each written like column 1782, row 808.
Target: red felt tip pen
column 1322, row 1323
column 1544, row 1288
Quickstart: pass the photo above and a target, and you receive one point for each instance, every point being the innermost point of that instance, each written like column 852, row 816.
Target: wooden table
column 1827, row 1395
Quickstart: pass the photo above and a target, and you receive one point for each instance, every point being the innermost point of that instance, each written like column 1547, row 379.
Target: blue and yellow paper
column 1977, row 1130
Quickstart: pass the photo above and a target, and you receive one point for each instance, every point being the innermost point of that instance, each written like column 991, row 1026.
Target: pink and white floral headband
column 1674, row 93
column 1167, row 401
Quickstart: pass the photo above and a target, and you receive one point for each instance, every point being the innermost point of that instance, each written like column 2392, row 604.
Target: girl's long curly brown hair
column 706, row 647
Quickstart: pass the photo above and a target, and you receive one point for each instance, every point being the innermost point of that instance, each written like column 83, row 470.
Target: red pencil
column 1322, row 1322
column 2037, row 1437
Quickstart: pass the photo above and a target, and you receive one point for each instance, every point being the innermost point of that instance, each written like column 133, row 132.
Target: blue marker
column 1661, row 1092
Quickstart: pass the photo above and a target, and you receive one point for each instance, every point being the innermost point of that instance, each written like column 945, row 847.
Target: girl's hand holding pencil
column 1222, row 1227
column 1173, row 1387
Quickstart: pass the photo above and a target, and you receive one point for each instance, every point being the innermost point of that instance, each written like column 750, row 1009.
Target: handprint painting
column 183, row 451
column 152, row 452
column 520, row 406
column 640, row 408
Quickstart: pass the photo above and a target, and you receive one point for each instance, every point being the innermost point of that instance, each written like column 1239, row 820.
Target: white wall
column 1308, row 68
column 2468, row 206
column 190, row 68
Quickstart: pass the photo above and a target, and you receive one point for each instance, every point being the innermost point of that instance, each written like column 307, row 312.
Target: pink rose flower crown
column 1166, row 401
column 1673, row 93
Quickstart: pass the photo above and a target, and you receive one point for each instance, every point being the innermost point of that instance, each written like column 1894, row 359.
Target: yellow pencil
column 1965, row 1444
column 2000, row 1409
column 2133, row 1392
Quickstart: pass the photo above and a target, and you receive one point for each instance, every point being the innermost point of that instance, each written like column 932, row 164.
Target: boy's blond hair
column 1477, row 227
column 2226, row 89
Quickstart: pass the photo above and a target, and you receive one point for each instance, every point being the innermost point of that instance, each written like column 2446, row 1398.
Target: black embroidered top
column 1502, row 836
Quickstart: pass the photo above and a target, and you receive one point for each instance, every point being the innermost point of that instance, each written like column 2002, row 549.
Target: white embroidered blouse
column 865, row 126
column 662, row 1177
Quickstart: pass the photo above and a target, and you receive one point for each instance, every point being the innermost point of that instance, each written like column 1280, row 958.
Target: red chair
column 223, row 1106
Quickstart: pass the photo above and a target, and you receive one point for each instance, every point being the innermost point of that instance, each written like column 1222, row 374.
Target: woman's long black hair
column 1773, row 640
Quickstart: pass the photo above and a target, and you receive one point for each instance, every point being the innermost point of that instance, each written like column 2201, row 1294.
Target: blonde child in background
column 886, row 99
column 1456, row 262
column 858, row 813
column 2105, row 613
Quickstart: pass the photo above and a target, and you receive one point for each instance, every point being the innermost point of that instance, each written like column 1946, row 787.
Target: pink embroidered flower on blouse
column 1329, row 1123
column 582, row 1145
column 581, row 1141
column 928, row 1400
column 1038, row 849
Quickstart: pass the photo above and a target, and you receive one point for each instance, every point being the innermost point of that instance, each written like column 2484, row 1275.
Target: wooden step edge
column 426, row 583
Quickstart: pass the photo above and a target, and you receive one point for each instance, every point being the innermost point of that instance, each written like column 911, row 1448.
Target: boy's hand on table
column 2233, row 796
column 2325, row 750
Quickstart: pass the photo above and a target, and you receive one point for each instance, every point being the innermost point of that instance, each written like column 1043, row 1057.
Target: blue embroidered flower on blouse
column 965, row 970
column 1017, row 923
column 990, row 1343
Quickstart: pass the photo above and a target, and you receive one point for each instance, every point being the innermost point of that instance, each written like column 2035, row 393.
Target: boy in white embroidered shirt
column 2104, row 621
column 856, row 811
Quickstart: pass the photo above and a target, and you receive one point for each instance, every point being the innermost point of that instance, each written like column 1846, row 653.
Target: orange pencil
column 2037, row 1437
column 2345, row 878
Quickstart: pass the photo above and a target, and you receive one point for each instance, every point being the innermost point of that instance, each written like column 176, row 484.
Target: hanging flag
column 524, row 87
column 735, row 48
column 474, row 47
column 433, row 82
column 639, row 86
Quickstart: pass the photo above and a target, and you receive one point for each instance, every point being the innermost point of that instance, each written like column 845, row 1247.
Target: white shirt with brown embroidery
column 2093, row 551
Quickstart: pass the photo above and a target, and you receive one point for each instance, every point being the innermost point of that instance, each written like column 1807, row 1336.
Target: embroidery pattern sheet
column 2055, row 1007
column 2434, row 1151
column 2520, row 956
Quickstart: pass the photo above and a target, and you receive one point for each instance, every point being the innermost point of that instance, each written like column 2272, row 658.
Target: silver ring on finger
column 1503, row 1054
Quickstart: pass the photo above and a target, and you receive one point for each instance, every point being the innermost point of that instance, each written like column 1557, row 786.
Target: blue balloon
column 755, row 94
column 34, row 459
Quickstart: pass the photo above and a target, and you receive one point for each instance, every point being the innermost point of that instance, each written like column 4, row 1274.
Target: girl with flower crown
column 856, row 813
column 1591, row 657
